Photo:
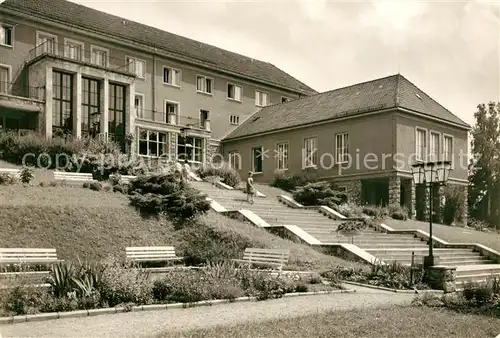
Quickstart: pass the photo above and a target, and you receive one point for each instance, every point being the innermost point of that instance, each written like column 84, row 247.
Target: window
column 99, row 56
column 257, row 159
column 171, row 112
column 204, row 115
column 421, row 144
column 46, row 43
column 171, row 76
column 62, row 101
column 4, row 80
column 91, row 103
column 233, row 119
column 73, row 49
column 282, row 156
column 233, row 92
column 284, row 99
column 153, row 143
column 6, row 33
column 235, row 160
column 204, row 84
column 434, row 146
column 310, row 152
column 190, row 148
column 139, row 105
column 261, row 98
column 117, row 113
column 342, row 148
column 137, row 67
column 447, row 148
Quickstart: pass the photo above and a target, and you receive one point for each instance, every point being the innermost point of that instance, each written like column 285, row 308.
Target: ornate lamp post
column 431, row 174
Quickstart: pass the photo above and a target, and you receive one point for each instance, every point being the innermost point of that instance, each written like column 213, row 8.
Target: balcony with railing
column 21, row 97
column 171, row 119
column 95, row 57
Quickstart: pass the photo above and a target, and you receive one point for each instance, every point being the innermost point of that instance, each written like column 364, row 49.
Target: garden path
column 153, row 323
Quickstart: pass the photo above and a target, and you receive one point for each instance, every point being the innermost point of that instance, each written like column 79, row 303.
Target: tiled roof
column 72, row 14
column 388, row 92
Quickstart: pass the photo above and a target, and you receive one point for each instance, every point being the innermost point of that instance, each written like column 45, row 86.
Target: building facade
column 66, row 68
column 363, row 137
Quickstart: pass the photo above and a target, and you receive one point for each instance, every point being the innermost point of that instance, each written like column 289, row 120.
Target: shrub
column 115, row 179
column 121, row 188
column 374, row 211
column 107, row 187
column 26, row 175
column 202, row 244
column 319, row 193
column 349, row 209
column 301, row 288
column 7, row 179
column 86, row 185
column 396, row 211
column 23, row 300
column 163, row 194
column 120, row 284
column 353, row 226
column 476, row 224
column 288, row 182
column 227, row 174
column 454, row 205
column 97, row 186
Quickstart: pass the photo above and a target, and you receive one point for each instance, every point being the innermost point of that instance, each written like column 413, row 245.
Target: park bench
column 141, row 254
column 27, row 256
column 272, row 257
column 72, row 177
column 14, row 172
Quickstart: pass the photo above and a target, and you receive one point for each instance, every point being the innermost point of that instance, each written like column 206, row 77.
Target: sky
column 450, row 50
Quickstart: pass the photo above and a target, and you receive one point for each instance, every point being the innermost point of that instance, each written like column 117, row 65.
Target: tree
column 484, row 178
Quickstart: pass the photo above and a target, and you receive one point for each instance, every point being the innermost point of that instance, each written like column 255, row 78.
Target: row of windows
column 48, row 43
column 282, row 154
column 432, row 146
column 171, row 108
column 157, row 144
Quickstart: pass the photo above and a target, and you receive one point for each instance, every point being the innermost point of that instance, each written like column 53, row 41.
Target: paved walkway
column 148, row 324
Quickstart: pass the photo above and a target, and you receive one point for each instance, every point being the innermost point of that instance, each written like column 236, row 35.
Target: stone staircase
column 386, row 247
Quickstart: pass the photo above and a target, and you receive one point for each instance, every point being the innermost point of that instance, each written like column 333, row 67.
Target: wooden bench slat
column 26, row 250
column 150, row 248
column 256, row 262
column 285, row 251
column 263, row 259
column 262, row 254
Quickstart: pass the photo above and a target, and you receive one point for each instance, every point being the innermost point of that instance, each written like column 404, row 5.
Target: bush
column 121, row 188
column 26, row 175
column 353, row 226
column 376, row 211
column 319, row 193
column 23, row 300
column 454, row 205
column 121, row 285
column 7, row 179
column 349, row 209
column 164, row 195
column 107, row 187
column 96, row 186
column 227, row 174
column 287, row 182
column 115, row 179
column 396, row 211
column 202, row 244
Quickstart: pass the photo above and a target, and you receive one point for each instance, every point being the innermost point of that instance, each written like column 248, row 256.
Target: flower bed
column 85, row 286
column 394, row 276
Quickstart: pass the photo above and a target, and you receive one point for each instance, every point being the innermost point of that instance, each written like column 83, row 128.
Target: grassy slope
column 395, row 322
column 92, row 225
column 451, row 234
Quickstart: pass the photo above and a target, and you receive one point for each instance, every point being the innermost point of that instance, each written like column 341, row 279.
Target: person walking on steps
column 250, row 188
column 186, row 169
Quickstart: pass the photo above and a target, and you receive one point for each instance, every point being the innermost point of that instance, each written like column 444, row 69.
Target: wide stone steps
column 386, row 247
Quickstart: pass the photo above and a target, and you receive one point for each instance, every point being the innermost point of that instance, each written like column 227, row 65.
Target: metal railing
column 162, row 117
column 18, row 89
column 76, row 53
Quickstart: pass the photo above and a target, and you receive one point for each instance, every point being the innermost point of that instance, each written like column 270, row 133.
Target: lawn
column 397, row 322
column 451, row 234
column 92, row 225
